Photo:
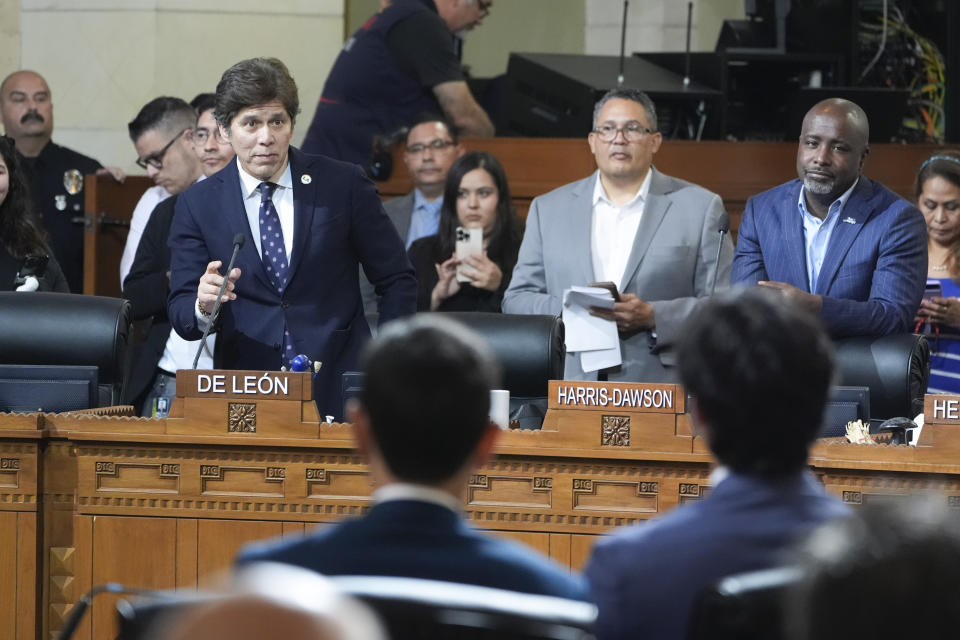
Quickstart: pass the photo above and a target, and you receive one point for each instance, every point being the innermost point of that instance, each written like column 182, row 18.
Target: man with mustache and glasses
column 55, row 172
column 844, row 247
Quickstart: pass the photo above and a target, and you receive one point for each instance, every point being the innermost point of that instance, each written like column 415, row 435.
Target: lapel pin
column 306, row 179
column 849, row 220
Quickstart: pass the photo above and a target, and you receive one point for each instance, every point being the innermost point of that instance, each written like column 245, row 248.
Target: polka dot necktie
column 274, row 255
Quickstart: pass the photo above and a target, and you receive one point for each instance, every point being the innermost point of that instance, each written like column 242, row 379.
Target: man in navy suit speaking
column 309, row 223
column 844, row 247
column 422, row 423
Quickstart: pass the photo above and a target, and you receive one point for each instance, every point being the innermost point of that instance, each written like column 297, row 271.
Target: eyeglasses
column 155, row 160
column 201, row 135
column 436, row 145
column 633, row 131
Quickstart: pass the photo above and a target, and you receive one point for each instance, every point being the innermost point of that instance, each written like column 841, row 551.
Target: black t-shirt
column 424, row 48
column 53, row 176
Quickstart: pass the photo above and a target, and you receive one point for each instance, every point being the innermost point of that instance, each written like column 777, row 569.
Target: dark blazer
column 875, row 268
column 414, row 539
column 339, row 224
column 147, row 287
column 645, row 578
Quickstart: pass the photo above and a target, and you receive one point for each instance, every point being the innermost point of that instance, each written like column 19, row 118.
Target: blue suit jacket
column 339, row 224
column 645, row 578
column 873, row 276
column 414, row 539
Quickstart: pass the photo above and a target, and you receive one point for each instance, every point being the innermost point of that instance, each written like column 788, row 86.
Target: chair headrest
column 530, row 348
column 65, row 329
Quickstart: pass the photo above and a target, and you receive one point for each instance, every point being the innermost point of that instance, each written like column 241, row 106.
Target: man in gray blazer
column 431, row 146
column 661, row 240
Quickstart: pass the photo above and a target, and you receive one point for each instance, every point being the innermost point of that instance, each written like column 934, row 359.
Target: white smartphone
column 469, row 243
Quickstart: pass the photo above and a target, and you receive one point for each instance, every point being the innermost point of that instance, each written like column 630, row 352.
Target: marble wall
column 104, row 59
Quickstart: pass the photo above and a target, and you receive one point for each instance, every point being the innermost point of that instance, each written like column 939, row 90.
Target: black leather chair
column 411, row 609
column 68, row 329
column 896, row 368
column 744, row 606
column 530, row 348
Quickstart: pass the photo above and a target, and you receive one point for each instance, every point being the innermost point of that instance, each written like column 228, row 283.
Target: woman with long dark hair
column 938, row 198
column 23, row 250
column 476, row 196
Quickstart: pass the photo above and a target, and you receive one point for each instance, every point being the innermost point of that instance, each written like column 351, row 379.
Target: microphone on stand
column 237, row 244
column 686, row 75
column 623, row 41
column 716, row 269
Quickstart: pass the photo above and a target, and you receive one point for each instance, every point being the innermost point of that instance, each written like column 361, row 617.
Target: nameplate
column 622, row 396
column 941, row 408
column 220, row 383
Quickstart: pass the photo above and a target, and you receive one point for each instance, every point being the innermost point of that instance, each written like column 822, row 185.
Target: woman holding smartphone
column 938, row 197
column 23, row 251
column 453, row 273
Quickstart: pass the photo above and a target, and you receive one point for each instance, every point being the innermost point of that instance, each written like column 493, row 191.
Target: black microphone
column 724, row 228
column 237, row 245
column 623, row 41
column 76, row 614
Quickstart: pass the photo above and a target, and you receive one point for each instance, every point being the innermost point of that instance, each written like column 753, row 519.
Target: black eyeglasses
column 436, row 145
column 155, row 160
column 632, row 131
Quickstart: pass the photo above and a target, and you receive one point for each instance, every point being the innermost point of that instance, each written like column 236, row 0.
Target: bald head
column 833, row 147
column 845, row 110
column 26, row 110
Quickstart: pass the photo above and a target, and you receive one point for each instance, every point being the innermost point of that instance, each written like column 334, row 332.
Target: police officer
column 55, row 173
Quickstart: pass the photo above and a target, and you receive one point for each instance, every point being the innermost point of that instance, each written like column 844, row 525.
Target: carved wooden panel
column 615, row 431
column 510, row 491
column 342, row 484
column 242, row 417
column 242, row 481
column 141, row 478
column 608, row 495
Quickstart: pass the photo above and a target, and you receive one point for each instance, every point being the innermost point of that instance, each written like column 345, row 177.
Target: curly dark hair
column 19, row 229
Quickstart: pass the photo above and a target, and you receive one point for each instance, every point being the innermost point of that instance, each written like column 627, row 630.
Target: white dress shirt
column 282, row 202
column 614, row 230
column 138, row 222
column 419, row 492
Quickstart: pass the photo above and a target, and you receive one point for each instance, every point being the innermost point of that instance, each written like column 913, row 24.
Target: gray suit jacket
column 673, row 265
column 399, row 210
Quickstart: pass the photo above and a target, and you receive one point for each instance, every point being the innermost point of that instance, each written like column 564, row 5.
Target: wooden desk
column 87, row 499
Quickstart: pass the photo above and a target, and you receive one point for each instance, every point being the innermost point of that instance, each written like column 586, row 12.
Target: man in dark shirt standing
column 402, row 62
column 55, row 173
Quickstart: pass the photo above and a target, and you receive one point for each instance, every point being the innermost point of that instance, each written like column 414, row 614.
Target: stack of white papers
column 594, row 338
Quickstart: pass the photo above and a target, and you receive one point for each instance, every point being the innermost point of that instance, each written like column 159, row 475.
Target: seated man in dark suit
column 759, row 369
column 844, row 247
column 423, row 425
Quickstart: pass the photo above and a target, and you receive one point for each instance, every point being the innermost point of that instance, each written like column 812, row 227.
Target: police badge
column 72, row 182
column 60, row 201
